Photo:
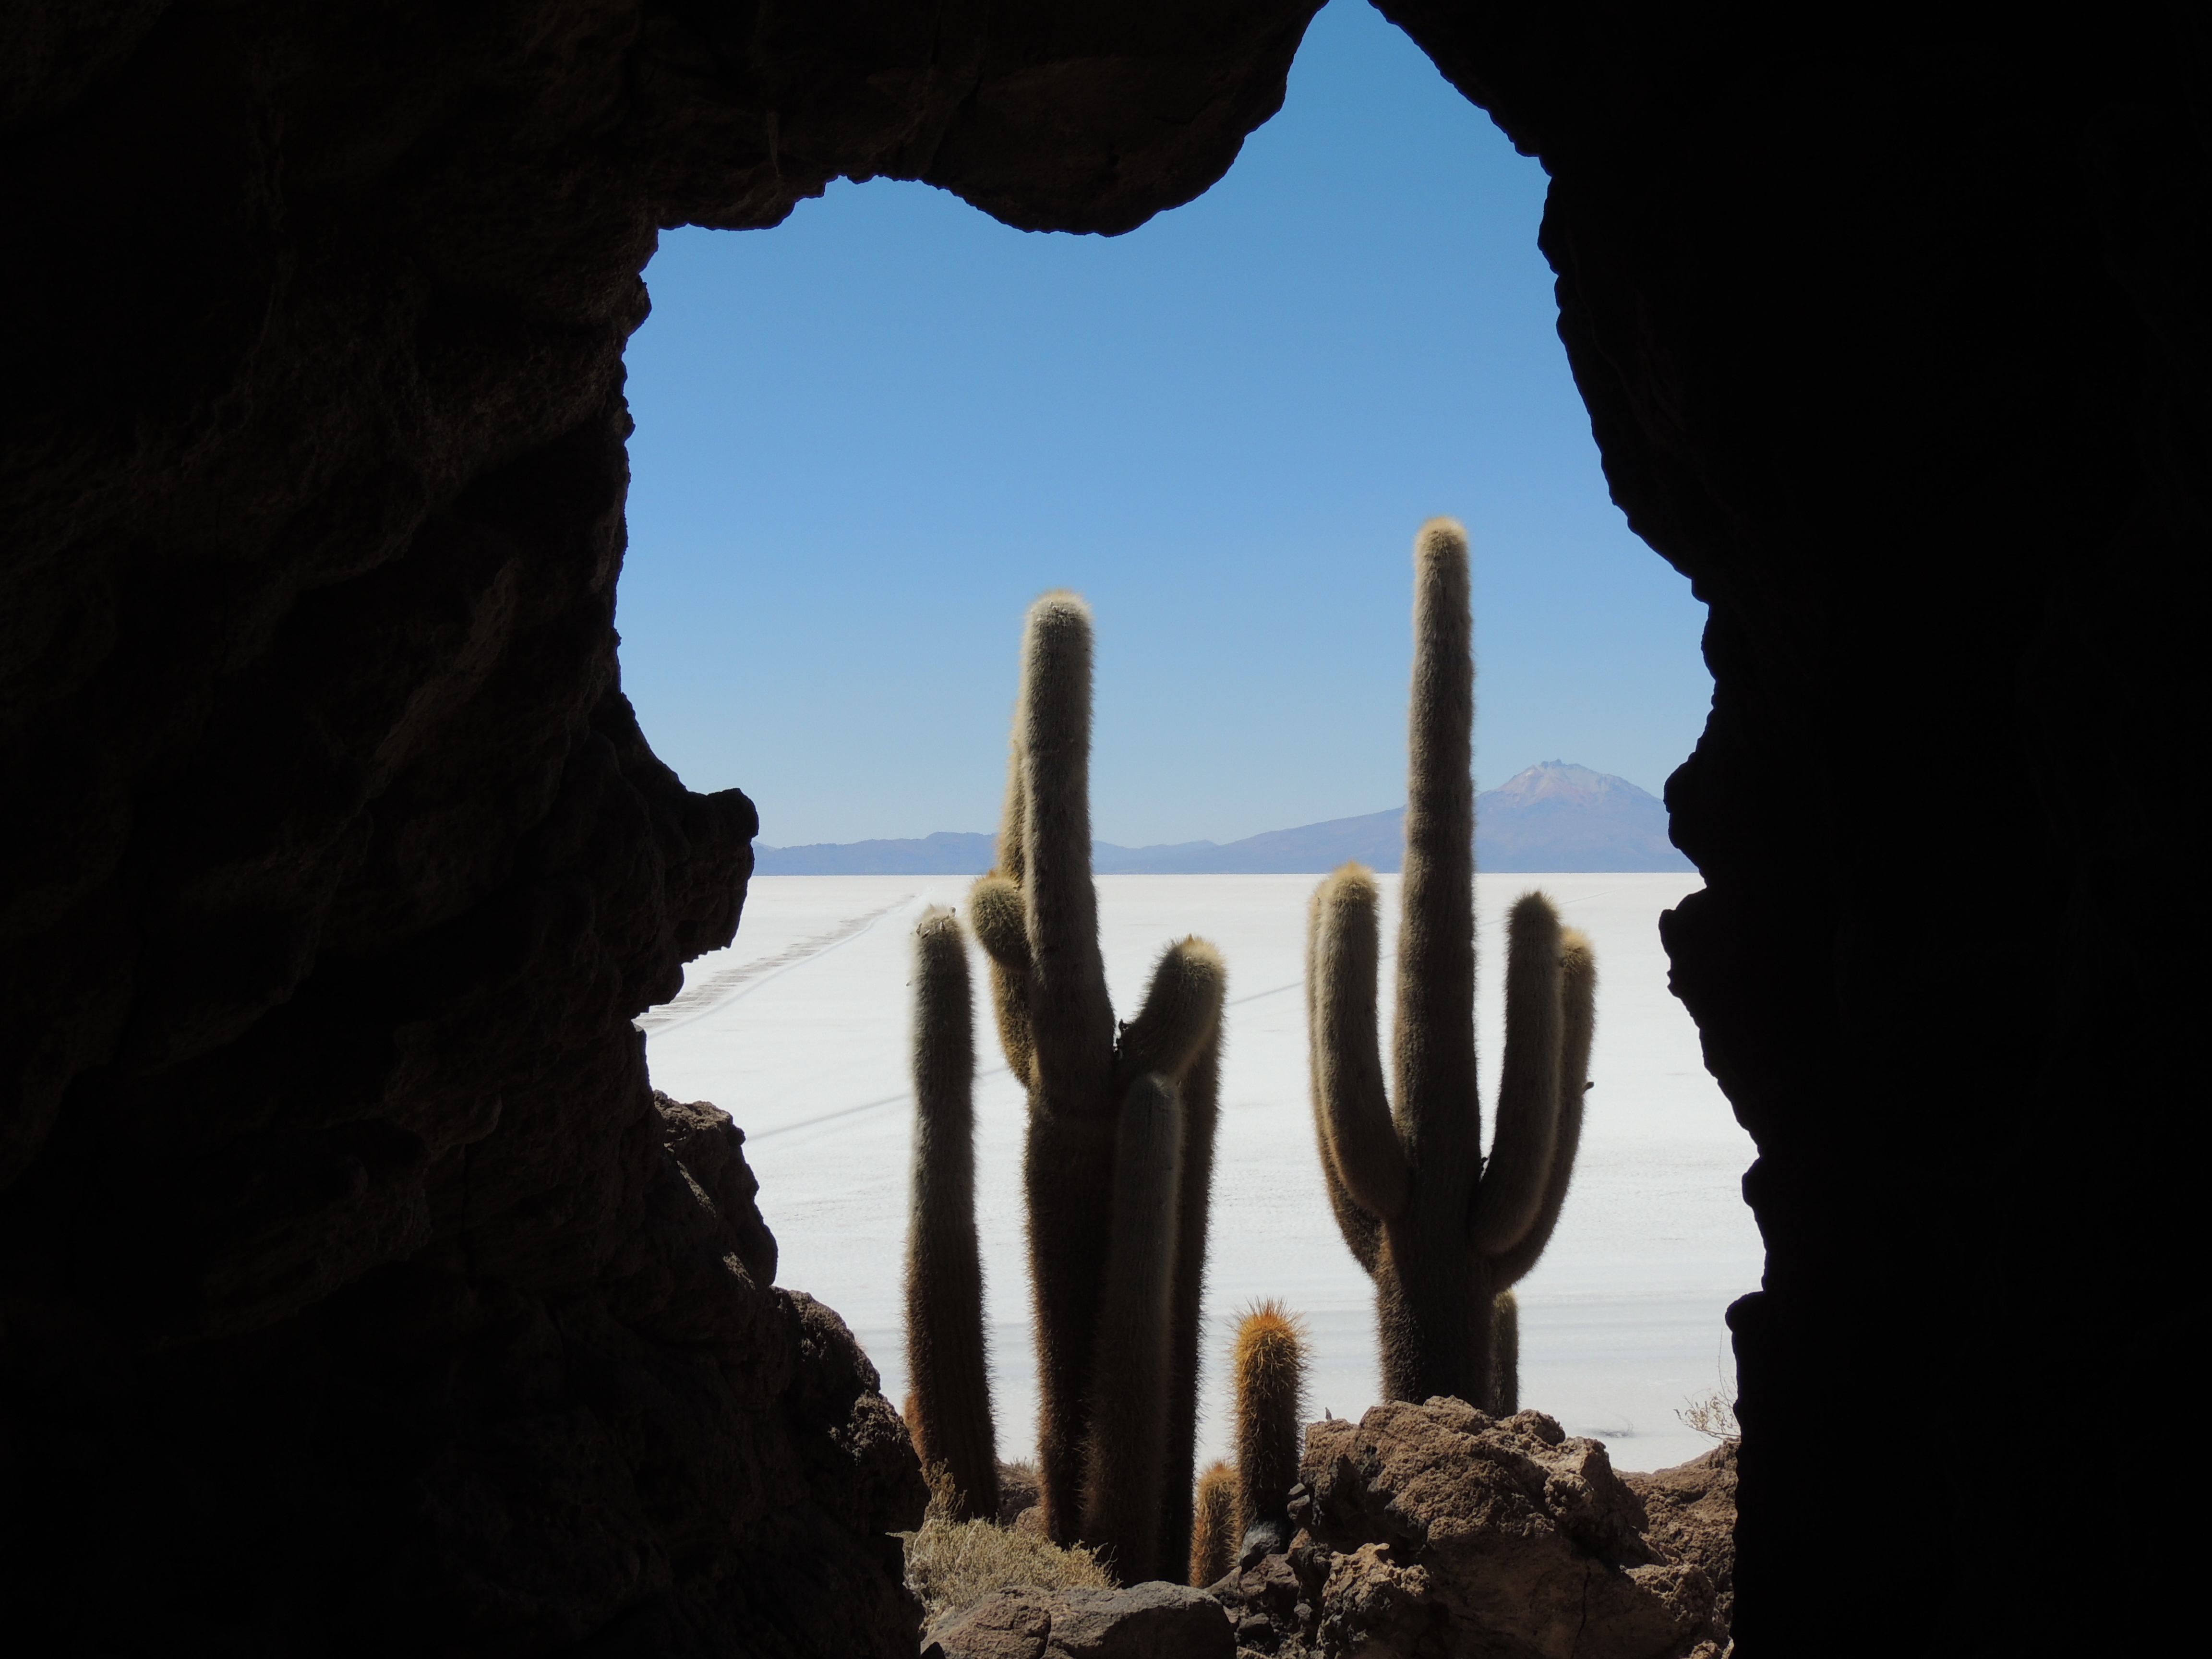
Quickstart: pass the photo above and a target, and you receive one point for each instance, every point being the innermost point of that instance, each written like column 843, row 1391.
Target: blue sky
column 867, row 438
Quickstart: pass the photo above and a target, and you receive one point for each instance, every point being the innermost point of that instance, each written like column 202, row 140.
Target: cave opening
column 866, row 438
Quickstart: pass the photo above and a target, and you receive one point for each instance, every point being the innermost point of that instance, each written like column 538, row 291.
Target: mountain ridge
column 1555, row 816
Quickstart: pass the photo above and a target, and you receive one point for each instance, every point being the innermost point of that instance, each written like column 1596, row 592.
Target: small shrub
column 952, row 1564
column 1713, row 1413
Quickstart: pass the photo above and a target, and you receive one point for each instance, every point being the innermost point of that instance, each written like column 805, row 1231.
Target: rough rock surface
column 1144, row 1621
column 1436, row 1529
column 1018, row 1492
column 1267, row 1605
column 1895, row 340
column 355, row 1294
column 1690, row 1514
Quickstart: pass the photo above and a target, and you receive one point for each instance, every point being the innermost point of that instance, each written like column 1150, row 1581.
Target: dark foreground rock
column 1145, row 1621
column 1433, row 1529
column 357, row 1296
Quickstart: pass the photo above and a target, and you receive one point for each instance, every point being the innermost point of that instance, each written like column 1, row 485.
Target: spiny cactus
column 1269, row 1368
column 1440, row 1232
column 1214, row 1530
column 1505, row 1356
column 948, row 1411
column 1118, row 1166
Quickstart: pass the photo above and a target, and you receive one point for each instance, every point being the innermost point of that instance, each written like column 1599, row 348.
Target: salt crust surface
column 798, row 1030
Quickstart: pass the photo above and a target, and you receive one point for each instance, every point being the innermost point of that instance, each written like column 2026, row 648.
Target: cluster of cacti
column 1245, row 1502
column 1117, row 1170
column 1118, row 1164
column 1443, row 1232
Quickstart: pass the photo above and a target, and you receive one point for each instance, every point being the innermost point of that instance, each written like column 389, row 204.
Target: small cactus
column 1442, row 1232
column 1118, row 1166
column 1505, row 1357
column 1269, row 1367
column 948, row 1411
column 1214, row 1530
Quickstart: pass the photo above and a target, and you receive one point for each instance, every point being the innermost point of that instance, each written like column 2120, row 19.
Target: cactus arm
column 1578, row 1001
column 1438, row 1117
column 995, row 910
column 1511, row 1194
column 950, row 1409
column 1125, row 1444
column 1071, row 1020
column 1360, row 1143
column 1201, row 1092
column 1363, row 1233
column 1181, row 1013
column 1014, row 812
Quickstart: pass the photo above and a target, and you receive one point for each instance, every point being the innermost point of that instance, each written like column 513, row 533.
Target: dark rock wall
column 1891, row 326
column 355, row 1293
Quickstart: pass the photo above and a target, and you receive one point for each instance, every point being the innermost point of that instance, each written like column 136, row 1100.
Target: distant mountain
column 1552, row 817
column 1557, row 817
column 947, row 852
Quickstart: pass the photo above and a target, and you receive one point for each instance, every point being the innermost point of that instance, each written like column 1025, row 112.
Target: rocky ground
column 1424, row 1530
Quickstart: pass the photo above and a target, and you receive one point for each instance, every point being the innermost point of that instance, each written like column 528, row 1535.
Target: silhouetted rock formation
column 358, row 1297
column 1894, row 337
column 354, row 1299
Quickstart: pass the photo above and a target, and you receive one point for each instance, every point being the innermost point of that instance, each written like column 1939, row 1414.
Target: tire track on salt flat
column 735, row 984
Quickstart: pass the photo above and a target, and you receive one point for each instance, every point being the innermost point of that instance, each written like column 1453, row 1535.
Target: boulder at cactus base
column 1434, row 1527
column 1145, row 1621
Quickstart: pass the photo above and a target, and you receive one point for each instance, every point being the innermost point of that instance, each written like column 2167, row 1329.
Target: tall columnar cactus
column 949, row 1410
column 1118, row 1166
column 1269, row 1367
column 1441, row 1231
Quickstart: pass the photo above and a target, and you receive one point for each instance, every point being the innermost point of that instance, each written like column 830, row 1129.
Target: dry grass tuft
column 1713, row 1414
column 952, row 1564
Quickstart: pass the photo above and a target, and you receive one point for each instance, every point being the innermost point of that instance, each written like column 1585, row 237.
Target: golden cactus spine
column 948, row 1411
column 1118, row 1162
column 1215, row 1532
column 1441, row 1231
column 1269, row 1368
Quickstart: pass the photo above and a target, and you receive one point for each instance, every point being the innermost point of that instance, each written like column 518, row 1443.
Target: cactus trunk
column 1125, row 1462
column 949, row 1410
column 1201, row 1113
